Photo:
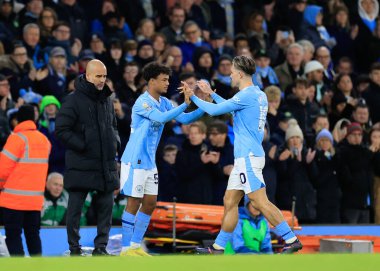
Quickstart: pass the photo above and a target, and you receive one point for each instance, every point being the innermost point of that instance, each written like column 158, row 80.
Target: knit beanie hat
column 324, row 133
column 25, row 112
column 313, row 65
column 293, row 130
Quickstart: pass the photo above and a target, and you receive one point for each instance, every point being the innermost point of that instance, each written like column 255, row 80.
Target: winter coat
column 372, row 97
column 324, row 176
column 86, row 124
column 355, row 176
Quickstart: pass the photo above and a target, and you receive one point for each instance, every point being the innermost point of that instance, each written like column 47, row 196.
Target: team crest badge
column 146, row 106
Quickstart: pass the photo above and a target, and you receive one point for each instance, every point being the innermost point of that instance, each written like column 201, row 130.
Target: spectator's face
column 177, row 18
column 256, row 23
column 32, row 36
column 323, row 56
column 274, row 103
column 196, row 137
column 321, row 123
column 192, row 33
column 368, row 5
column 58, row 62
column 35, row 6
column 318, row 19
column 159, row 44
column 345, row 84
column 225, row 67
column 192, row 82
column 341, row 18
column 176, row 53
column 308, row 54
column 294, row 56
column 217, row 139
column 316, row 76
column 146, row 51
column 245, row 52
column 4, row 88
column 20, row 56
column 375, row 76
column 6, row 9
column 205, row 61
column 69, row 2
column 375, row 138
column 170, row 157
column 344, row 67
column 311, row 92
column 355, row 138
column 47, row 19
column 62, row 33
column 51, row 110
column 130, row 73
column 324, row 144
column 300, row 91
column 262, row 62
column 107, row 7
column 55, row 186
column 97, row 46
column 116, row 53
column 361, row 115
column 240, row 45
column 294, row 142
column 147, row 29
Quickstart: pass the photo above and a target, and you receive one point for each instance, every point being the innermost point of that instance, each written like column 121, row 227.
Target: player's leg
column 132, row 184
column 143, row 216
column 256, row 192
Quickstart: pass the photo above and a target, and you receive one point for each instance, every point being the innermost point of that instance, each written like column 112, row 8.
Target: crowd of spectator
column 317, row 61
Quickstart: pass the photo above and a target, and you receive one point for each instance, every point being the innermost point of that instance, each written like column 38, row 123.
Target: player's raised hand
column 187, row 91
column 205, row 87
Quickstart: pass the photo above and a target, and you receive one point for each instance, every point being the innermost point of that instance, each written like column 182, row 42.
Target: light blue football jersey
column 249, row 108
column 148, row 119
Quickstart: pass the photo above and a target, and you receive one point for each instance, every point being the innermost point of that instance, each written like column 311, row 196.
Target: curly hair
column 154, row 69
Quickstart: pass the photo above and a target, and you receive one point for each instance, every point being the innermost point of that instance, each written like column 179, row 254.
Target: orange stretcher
column 196, row 217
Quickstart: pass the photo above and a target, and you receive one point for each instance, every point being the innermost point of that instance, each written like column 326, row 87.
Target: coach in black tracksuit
column 86, row 124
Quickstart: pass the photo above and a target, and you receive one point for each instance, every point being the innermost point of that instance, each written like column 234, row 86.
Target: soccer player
column 249, row 108
column 138, row 177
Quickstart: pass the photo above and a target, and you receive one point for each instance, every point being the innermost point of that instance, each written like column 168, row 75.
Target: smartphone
column 285, row 34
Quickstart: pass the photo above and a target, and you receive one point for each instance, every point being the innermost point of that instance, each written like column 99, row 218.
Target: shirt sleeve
column 217, row 98
column 185, row 118
column 146, row 109
column 227, row 106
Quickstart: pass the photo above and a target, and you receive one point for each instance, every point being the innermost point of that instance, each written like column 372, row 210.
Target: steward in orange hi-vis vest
column 23, row 168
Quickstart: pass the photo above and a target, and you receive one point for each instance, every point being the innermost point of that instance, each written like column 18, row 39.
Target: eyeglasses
column 191, row 32
column 4, row 85
column 63, row 31
column 214, row 134
column 19, row 54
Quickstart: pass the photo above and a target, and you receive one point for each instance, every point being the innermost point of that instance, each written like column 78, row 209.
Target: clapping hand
column 187, row 91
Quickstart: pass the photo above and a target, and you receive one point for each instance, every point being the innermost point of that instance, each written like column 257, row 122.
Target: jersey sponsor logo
column 155, row 125
column 146, row 106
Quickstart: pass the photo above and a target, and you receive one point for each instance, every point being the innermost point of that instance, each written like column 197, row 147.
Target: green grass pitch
column 310, row 262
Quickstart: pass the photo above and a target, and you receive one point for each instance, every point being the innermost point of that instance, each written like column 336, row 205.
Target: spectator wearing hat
column 292, row 68
column 218, row 44
column 85, row 56
column 323, row 172
column 111, row 27
column 173, row 32
column 26, row 150
column 222, row 80
column 97, row 46
column 354, row 173
column 145, row 53
column 293, row 177
column 339, row 108
column 265, row 75
column 277, row 135
column 314, row 74
column 372, row 94
column 52, row 79
column 18, row 68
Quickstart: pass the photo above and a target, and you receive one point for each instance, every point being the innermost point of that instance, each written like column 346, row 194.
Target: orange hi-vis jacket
column 23, row 168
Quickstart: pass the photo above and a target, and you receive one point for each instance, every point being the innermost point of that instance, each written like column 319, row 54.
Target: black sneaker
column 292, row 247
column 76, row 251
column 208, row 250
column 100, row 251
